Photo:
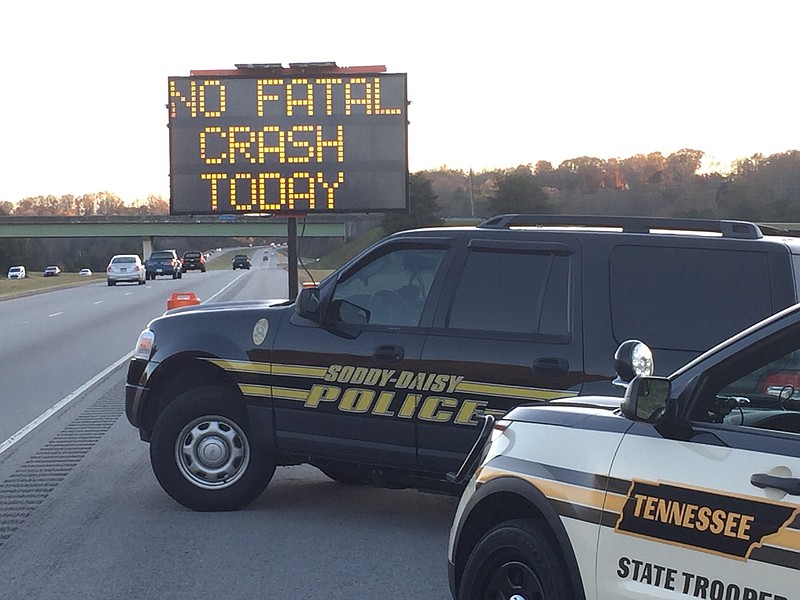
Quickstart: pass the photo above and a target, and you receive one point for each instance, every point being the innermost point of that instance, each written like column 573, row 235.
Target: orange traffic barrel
column 182, row 299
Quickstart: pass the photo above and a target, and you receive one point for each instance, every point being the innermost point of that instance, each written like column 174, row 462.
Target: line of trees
column 758, row 188
column 87, row 205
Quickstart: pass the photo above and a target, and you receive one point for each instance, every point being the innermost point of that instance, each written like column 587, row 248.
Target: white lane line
column 222, row 291
column 99, row 302
column 59, row 405
column 56, row 314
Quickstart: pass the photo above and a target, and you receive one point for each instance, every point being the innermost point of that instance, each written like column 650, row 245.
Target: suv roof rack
column 730, row 229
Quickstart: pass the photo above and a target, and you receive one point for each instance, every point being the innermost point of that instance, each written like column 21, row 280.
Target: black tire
column 110, row 283
column 516, row 559
column 208, row 420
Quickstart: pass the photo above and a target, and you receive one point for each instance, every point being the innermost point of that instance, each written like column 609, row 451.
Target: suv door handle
column 550, row 366
column 389, row 354
column 790, row 485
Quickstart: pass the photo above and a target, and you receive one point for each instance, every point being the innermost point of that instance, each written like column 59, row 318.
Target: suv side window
column 393, row 288
column 653, row 288
column 759, row 390
column 512, row 290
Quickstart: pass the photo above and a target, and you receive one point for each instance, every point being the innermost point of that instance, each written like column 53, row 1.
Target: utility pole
column 471, row 196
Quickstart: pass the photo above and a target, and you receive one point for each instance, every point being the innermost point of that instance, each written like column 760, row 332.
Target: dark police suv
column 381, row 373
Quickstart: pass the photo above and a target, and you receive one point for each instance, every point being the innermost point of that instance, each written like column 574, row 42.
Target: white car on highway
column 125, row 267
column 17, row 273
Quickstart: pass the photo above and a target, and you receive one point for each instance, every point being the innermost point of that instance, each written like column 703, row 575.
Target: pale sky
column 491, row 84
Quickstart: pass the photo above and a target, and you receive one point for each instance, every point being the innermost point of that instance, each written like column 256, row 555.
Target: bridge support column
column 147, row 247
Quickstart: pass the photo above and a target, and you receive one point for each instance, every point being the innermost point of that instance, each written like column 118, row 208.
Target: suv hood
column 234, row 305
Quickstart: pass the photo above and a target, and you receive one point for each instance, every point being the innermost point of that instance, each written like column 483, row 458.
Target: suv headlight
column 144, row 345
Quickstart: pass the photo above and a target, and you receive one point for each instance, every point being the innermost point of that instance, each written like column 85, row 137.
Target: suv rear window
column 661, row 295
column 191, row 255
column 513, row 291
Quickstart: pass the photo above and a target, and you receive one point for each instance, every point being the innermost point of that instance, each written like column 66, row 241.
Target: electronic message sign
column 319, row 143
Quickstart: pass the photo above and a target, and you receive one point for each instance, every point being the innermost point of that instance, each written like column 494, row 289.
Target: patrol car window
column 652, row 288
column 392, row 288
column 515, row 292
column 759, row 390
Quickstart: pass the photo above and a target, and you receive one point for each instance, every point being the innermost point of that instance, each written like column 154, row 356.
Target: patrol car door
column 710, row 509
column 508, row 333
column 340, row 386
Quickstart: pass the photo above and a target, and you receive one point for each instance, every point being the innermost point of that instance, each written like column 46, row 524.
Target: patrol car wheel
column 518, row 560
column 203, row 454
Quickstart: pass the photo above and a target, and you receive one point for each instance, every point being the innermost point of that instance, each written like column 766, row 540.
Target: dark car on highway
column 193, row 260
column 163, row 262
column 241, row 261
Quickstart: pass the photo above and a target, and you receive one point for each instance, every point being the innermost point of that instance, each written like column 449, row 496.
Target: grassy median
column 36, row 282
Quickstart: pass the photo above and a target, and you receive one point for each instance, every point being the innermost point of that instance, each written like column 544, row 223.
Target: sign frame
column 288, row 142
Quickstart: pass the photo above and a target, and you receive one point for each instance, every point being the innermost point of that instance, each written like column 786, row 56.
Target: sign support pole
column 291, row 227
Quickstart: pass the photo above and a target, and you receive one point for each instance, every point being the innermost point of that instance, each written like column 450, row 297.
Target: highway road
column 82, row 516
column 51, row 344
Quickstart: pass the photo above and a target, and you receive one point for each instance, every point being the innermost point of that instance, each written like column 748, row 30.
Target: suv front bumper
column 135, row 396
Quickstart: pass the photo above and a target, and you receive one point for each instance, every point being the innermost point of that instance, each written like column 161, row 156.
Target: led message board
column 288, row 144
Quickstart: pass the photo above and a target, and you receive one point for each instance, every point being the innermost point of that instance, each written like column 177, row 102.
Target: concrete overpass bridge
column 147, row 228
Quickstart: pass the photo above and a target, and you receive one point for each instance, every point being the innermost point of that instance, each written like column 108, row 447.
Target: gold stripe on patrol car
column 786, row 538
column 512, row 391
column 241, row 366
column 464, row 387
column 268, row 391
column 261, row 391
column 553, row 490
column 299, row 370
column 282, row 393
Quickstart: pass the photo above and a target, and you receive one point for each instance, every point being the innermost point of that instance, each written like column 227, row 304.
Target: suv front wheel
column 515, row 559
column 204, row 455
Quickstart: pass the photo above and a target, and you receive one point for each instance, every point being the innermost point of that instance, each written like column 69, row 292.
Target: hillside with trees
column 759, row 188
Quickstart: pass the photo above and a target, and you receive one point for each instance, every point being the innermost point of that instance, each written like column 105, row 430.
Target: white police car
column 689, row 489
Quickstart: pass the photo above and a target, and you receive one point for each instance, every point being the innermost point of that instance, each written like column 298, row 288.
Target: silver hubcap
column 212, row 452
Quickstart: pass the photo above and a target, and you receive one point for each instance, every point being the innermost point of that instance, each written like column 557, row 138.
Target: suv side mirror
column 647, row 399
column 307, row 304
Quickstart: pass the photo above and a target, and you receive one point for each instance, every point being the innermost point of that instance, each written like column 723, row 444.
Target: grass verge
column 36, row 282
